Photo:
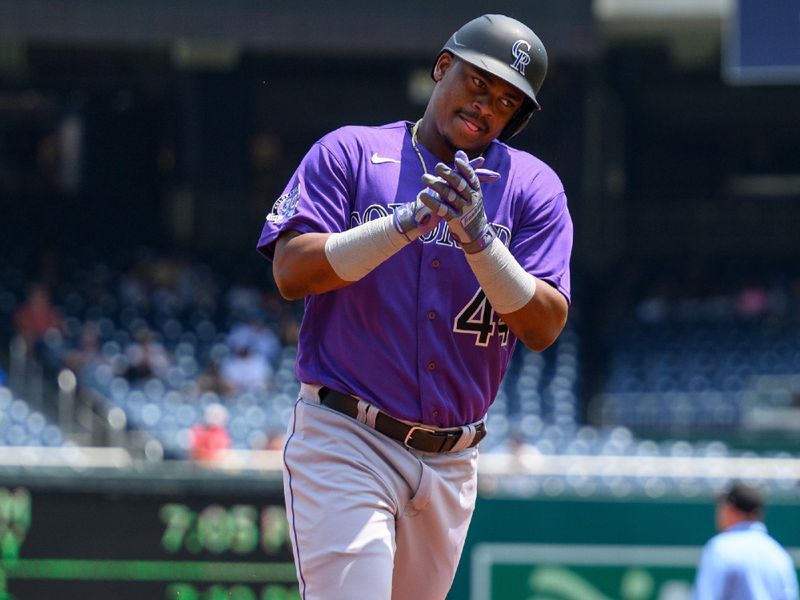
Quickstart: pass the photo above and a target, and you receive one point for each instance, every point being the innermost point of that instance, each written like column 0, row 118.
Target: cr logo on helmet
column 521, row 56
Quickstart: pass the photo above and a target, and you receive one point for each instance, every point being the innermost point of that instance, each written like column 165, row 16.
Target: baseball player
column 424, row 251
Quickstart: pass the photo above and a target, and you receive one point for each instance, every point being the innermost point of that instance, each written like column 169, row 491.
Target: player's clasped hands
column 455, row 195
column 414, row 219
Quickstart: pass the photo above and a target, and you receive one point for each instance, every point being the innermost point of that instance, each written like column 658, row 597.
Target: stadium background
column 141, row 145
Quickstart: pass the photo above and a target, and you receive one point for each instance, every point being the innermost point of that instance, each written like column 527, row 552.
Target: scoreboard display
column 158, row 541
column 762, row 43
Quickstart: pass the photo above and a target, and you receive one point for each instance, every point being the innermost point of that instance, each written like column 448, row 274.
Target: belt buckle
column 411, row 433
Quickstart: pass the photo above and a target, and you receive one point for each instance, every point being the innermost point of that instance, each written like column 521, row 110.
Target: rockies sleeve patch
column 285, row 206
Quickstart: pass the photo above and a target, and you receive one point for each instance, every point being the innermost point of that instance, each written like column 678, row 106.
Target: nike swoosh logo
column 378, row 160
column 457, row 43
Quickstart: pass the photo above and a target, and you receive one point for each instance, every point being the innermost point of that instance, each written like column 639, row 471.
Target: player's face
column 472, row 107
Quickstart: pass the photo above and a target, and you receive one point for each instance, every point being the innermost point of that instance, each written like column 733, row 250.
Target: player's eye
column 508, row 104
column 478, row 82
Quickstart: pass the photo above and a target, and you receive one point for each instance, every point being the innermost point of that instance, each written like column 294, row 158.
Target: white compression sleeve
column 506, row 284
column 355, row 252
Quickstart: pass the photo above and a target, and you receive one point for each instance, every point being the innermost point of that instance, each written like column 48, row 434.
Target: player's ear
column 443, row 63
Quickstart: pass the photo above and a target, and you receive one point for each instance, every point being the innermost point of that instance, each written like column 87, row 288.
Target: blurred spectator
column 146, row 356
column 211, row 436
column 245, row 370
column 243, row 299
column 196, row 285
column 87, row 353
column 132, row 289
column 654, row 308
column 519, row 447
column 210, row 379
column 290, row 331
column 276, row 437
column 752, row 301
column 256, row 335
column 36, row 316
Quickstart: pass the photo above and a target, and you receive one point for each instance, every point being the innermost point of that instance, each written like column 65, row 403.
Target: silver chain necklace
column 416, row 147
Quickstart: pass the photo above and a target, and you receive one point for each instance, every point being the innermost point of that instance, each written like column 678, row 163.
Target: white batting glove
column 456, row 196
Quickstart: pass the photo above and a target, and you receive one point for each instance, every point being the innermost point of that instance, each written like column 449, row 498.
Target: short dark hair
column 744, row 498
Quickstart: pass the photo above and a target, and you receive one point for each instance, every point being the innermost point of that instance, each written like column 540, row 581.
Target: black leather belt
column 418, row 437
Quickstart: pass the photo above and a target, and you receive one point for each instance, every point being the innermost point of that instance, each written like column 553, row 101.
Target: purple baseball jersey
column 416, row 337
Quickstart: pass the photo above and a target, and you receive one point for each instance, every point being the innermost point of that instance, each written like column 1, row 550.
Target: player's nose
column 481, row 111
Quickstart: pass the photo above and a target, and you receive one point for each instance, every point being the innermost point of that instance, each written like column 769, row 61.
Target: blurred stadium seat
column 22, row 426
column 699, row 375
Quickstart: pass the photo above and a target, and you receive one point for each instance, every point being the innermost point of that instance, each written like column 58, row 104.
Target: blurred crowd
column 156, row 317
column 208, row 330
column 691, row 289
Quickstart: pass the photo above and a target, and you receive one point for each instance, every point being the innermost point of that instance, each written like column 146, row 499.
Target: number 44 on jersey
column 478, row 318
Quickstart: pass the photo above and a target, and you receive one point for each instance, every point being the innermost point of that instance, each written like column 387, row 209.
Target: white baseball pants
column 371, row 519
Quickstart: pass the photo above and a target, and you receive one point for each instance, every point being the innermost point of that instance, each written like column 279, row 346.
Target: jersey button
column 432, row 315
column 435, row 263
column 435, row 413
column 431, row 366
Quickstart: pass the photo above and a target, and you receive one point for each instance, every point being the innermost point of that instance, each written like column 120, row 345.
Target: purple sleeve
column 317, row 198
column 543, row 244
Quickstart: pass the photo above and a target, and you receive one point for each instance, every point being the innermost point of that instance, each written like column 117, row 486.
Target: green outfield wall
column 176, row 532
column 594, row 548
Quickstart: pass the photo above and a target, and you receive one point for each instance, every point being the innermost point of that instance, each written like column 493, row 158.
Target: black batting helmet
column 509, row 50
